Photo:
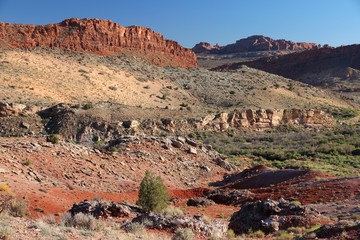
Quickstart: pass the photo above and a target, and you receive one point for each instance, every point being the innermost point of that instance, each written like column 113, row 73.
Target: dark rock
column 191, row 142
column 233, row 197
column 224, row 164
column 270, row 216
column 176, row 143
column 200, row 202
column 104, row 209
column 330, row 231
column 171, row 223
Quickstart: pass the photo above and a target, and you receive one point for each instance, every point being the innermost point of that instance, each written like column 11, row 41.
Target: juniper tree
column 153, row 194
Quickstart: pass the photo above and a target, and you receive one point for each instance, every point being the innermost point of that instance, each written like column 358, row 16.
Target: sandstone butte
column 254, row 43
column 101, row 37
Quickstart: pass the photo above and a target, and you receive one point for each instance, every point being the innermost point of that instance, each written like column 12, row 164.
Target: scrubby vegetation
column 153, row 195
column 53, row 138
column 334, row 150
column 184, row 234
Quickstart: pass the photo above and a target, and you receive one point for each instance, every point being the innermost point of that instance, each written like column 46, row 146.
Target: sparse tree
column 153, row 194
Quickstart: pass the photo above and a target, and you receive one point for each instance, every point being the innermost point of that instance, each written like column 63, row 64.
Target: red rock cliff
column 101, row 37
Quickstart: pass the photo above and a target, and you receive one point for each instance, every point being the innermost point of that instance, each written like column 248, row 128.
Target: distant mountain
column 100, row 37
column 252, row 44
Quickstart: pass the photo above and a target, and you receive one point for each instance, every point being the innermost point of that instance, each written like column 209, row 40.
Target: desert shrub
column 343, row 113
column 172, row 211
column 333, row 150
column 27, row 162
column 5, row 230
column 4, row 187
column 53, row 138
column 230, row 234
column 296, row 230
column 153, row 194
column 136, row 228
column 184, row 234
column 283, row 235
column 18, row 208
column 256, row 234
column 82, row 221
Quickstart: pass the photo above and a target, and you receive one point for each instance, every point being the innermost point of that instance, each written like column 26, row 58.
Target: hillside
column 101, row 37
column 336, row 69
column 47, row 77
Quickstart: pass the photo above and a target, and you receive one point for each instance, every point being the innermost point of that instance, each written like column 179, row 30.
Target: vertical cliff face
column 100, row 37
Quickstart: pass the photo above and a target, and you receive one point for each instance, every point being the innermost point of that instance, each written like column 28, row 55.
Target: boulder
column 200, row 202
column 270, row 216
column 11, row 109
column 233, row 197
column 104, row 209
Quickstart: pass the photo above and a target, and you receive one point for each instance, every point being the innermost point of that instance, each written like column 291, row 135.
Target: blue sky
column 333, row 22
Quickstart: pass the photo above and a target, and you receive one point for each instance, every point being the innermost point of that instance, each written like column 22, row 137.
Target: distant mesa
column 101, row 37
column 252, row 44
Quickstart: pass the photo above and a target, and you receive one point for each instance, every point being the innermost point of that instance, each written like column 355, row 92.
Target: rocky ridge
column 101, row 37
column 74, row 124
column 253, row 43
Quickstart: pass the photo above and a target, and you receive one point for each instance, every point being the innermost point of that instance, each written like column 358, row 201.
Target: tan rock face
column 101, row 37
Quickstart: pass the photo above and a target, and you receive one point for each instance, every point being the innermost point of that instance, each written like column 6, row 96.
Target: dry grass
column 82, row 221
column 52, row 76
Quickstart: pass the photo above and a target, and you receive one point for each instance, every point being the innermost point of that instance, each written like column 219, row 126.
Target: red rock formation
column 204, row 47
column 101, row 37
column 254, row 43
column 297, row 64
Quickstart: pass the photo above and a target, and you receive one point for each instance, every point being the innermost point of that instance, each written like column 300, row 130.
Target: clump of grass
column 296, row 202
column 82, row 221
column 283, row 235
column 184, row 234
column 136, row 228
column 27, row 162
column 256, row 234
column 5, row 229
column 230, row 234
column 172, row 211
column 18, row 208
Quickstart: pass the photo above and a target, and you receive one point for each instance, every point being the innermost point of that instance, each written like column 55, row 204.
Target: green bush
column 53, row 138
column 153, row 195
